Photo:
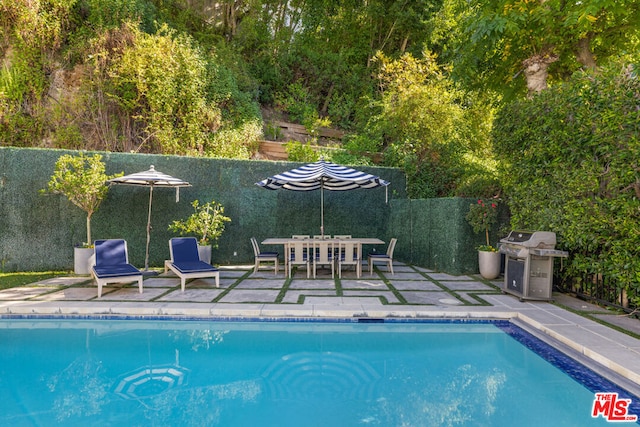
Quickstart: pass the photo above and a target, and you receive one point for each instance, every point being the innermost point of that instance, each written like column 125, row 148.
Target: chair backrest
column 300, row 236
column 297, row 251
column 392, row 246
column 256, row 248
column 322, row 237
column 111, row 252
column 322, row 250
column 184, row 249
column 348, row 252
column 342, row 236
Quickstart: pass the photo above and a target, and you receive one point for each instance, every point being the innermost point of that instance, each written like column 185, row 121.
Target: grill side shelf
column 549, row 252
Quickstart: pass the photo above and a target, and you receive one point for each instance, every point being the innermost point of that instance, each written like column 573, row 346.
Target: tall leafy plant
column 482, row 216
column 206, row 222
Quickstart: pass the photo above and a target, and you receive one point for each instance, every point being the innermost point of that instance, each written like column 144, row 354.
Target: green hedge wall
column 38, row 232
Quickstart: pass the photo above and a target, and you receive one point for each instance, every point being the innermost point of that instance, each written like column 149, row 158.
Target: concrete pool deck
column 592, row 334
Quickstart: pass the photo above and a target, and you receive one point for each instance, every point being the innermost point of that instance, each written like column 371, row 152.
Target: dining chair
column 260, row 256
column 342, row 236
column 323, row 255
column 386, row 258
column 322, row 237
column 300, row 236
column 349, row 254
column 298, row 254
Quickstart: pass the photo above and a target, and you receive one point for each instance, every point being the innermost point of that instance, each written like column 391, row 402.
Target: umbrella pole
column 322, row 208
column 146, row 256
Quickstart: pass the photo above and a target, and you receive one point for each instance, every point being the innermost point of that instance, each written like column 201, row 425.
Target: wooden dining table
column 359, row 241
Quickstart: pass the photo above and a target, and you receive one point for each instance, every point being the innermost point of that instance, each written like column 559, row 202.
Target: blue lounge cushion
column 115, row 270
column 193, row 267
column 185, row 249
column 111, row 252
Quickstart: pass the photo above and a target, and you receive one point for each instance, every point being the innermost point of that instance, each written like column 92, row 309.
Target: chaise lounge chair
column 185, row 261
column 112, row 264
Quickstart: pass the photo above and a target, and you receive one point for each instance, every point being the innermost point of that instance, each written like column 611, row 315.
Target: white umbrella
column 151, row 178
column 323, row 175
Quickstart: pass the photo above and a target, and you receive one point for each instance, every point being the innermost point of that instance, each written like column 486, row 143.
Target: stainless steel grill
column 529, row 259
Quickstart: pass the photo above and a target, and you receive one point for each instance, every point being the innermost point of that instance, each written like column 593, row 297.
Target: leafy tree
column 81, row 179
column 496, row 42
column 421, row 125
column 327, row 47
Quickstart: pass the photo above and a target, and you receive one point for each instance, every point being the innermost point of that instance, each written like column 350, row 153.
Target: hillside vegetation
column 416, row 80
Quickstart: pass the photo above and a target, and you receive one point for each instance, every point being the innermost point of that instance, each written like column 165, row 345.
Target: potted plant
column 82, row 180
column 482, row 216
column 206, row 223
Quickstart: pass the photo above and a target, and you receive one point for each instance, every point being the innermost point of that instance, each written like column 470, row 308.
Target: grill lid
column 531, row 239
column 518, row 236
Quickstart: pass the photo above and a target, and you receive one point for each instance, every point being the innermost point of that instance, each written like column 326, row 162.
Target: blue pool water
column 205, row 373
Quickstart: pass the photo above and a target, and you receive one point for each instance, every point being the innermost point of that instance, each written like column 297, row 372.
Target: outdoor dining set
column 334, row 252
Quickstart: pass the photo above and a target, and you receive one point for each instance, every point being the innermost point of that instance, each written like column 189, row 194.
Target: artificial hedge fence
column 38, row 231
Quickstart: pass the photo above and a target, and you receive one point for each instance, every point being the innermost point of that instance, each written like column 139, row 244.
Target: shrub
column 571, row 164
column 240, row 142
column 301, row 152
column 206, row 222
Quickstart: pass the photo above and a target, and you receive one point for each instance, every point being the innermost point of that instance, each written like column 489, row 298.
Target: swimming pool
column 219, row 373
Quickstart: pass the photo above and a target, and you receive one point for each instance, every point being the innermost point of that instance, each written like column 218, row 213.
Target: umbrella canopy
column 151, row 178
column 323, row 175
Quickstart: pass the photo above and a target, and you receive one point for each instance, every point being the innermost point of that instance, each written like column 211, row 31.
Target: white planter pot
column 489, row 263
column 81, row 260
column 204, row 252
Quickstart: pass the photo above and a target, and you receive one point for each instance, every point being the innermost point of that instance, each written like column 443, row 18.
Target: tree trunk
column 584, row 54
column 88, row 229
column 536, row 70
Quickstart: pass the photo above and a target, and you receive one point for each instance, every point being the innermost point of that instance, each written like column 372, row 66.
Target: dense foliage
column 176, row 77
column 515, row 45
column 570, row 162
column 109, row 75
column 424, row 125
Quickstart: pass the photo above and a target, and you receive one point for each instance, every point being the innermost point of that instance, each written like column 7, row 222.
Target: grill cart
column 529, row 259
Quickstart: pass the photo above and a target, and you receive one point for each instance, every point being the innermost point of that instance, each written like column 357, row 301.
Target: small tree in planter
column 206, row 223
column 482, row 216
column 81, row 179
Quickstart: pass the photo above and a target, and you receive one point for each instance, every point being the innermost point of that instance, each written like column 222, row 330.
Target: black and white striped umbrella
column 323, row 175
column 151, row 178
